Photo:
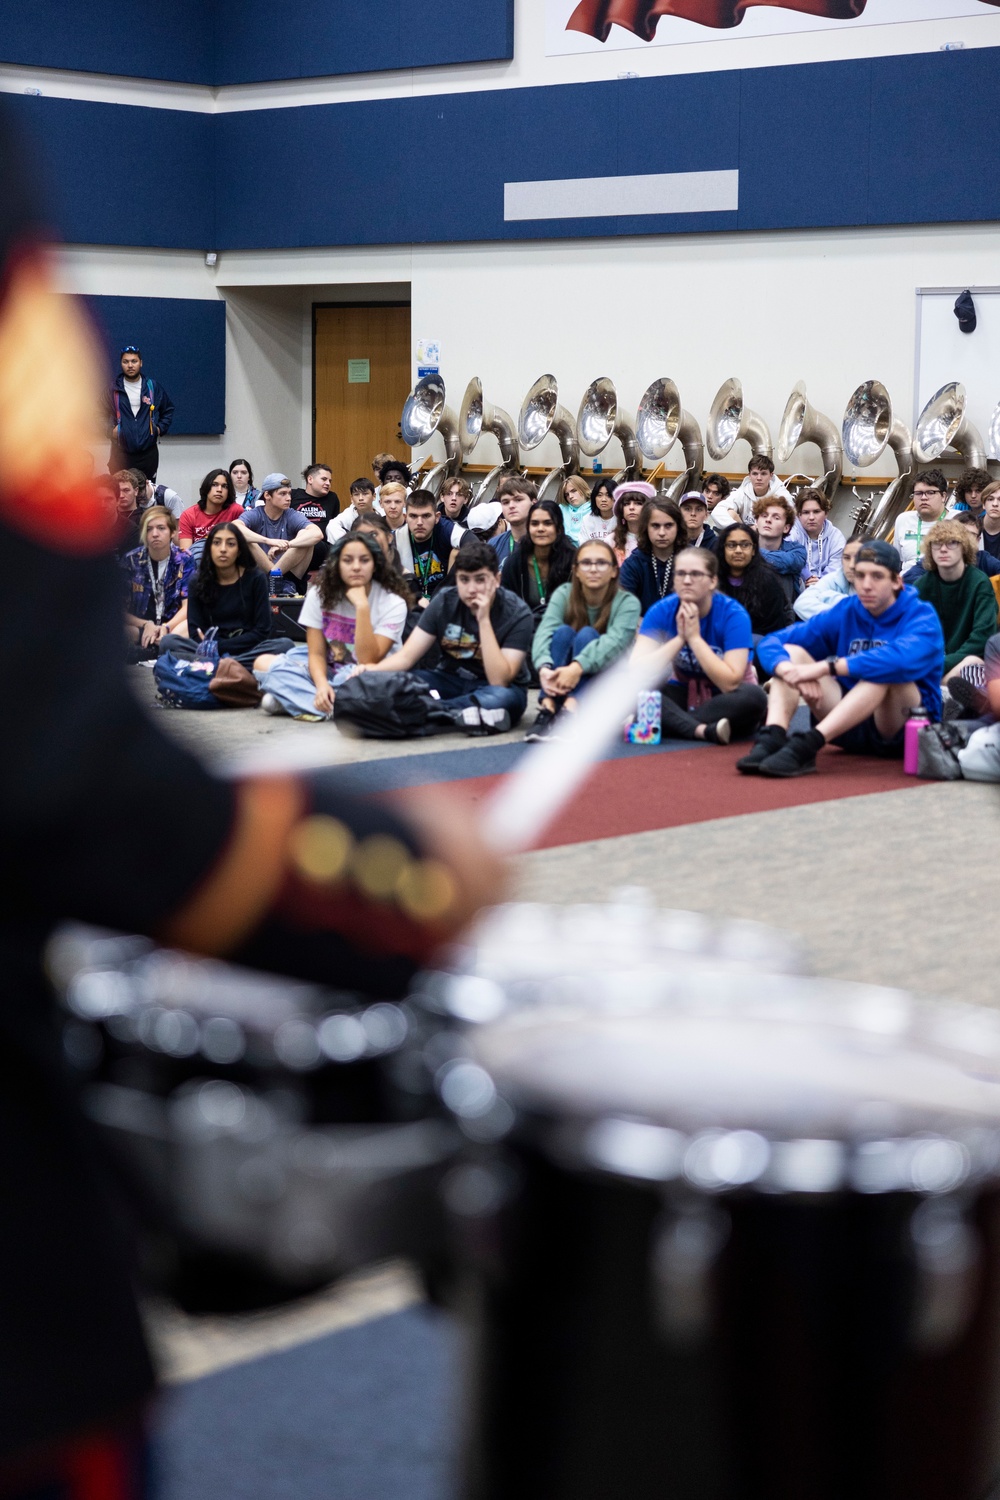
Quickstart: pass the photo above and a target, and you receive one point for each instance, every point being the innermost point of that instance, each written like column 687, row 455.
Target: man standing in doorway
column 140, row 413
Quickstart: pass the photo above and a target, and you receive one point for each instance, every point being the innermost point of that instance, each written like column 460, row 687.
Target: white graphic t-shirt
column 388, row 613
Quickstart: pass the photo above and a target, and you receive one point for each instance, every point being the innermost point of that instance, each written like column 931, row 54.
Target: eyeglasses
column 688, row 577
column 596, row 562
column 923, row 494
column 735, row 546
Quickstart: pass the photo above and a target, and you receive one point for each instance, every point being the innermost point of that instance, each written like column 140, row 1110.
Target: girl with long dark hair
column 601, row 524
column 649, row 572
column 588, row 624
column 744, row 577
column 542, row 561
column 228, row 594
column 627, row 511
column 353, row 614
column 216, row 503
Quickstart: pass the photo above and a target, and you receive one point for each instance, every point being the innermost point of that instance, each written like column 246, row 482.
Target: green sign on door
column 359, row 371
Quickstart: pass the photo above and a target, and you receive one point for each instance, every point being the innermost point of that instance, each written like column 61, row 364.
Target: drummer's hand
column 449, row 834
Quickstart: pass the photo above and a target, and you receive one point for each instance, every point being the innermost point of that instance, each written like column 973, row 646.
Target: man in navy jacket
column 140, row 413
column 859, row 667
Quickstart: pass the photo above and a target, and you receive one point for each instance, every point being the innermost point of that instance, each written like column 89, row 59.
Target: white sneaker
column 270, row 704
column 496, row 720
column 471, row 717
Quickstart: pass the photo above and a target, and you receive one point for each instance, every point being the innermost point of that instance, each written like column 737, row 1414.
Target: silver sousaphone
column 477, row 415
column 659, row 422
column 600, row 419
column 731, row 421
column 425, row 413
column 540, row 415
column 869, row 427
column 802, row 423
column 994, row 434
column 943, row 424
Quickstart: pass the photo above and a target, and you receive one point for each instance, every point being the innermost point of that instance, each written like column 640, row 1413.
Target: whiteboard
column 945, row 353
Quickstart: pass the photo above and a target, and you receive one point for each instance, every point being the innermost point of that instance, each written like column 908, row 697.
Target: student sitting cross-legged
column 703, row 640
column 228, row 594
column 859, row 667
column 354, row 614
column 588, row 624
column 484, row 632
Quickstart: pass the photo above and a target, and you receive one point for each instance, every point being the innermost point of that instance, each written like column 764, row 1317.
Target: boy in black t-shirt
column 484, row 633
column 317, row 502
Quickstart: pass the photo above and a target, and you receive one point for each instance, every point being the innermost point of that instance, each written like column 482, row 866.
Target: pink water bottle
column 912, row 730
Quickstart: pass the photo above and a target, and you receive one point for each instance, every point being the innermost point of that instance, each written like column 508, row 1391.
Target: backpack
column 390, row 706
column 184, row 684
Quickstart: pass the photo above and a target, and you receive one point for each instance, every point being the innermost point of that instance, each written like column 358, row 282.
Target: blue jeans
column 566, row 646
column 463, row 692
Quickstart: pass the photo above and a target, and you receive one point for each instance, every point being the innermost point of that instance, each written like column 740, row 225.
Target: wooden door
column 355, row 417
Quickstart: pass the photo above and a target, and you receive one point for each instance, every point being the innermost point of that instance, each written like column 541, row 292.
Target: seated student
column 433, row 545
column 317, row 501
column 961, row 596
column 985, row 561
column 715, row 488
column 486, row 521
column 989, row 537
column 516, row 497
column 860, row 668
column 378, row 528
column 774, row 517
column 694, row 509
column 930, row 504
column 130, row 483
column 743, row 577
column 648, row 572
column 158, row 494
column 831, row 589
column 968, row 491
column 703, row 639
column 363, row 502
column 484, row 633
column 455, row 500
column 216, row 503
column 393, row 501
column 285, row 539
column 353, row 613
column 814, row 531
column 588, row 623
column 241, row 474
column 761, row 483
column 542, row 560
column 228, row 593
column 378, row 464
column 575, row 501
column 601, row 524
column 629, row 500
column 394, row 471
column 157, row 575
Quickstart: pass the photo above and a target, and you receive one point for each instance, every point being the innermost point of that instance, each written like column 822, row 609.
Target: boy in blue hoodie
column 860, row 668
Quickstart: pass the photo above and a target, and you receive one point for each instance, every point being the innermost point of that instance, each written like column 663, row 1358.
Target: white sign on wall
column 595, row 26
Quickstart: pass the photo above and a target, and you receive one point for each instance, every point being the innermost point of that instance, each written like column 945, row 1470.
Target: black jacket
column 136, row 434
column 242, row 613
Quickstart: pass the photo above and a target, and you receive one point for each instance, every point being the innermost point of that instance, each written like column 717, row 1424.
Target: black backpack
column 390, row 706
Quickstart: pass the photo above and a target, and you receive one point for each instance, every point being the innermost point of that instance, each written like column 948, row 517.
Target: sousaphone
column 730, row 421
column 600, row 419
column 659, row 422
column 868, row 428
column 477, row 416
column 540, row 415
column 425, row 413
column 994, row 437
column 802, row 423
column 943, row 423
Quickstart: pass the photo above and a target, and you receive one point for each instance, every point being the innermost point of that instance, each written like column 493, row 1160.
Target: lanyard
column 538, row 580
column 159, row 582
column 668, row 570
column 422, row 563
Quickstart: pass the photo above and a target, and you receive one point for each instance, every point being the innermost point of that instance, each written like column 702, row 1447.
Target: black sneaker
column 542, row 727
column 765, row 742
column 966, row 697
column 797, row 757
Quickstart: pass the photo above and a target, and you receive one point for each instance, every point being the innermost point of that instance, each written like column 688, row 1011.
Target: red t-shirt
column 195, row 523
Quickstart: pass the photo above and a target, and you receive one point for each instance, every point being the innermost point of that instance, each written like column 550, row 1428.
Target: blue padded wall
column 250, row 41
column 183, row 343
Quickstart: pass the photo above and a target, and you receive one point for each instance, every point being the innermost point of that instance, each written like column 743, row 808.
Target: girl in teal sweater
column 588, row 623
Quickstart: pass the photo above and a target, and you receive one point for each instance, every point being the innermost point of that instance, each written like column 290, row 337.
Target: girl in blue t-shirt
column 704, row 640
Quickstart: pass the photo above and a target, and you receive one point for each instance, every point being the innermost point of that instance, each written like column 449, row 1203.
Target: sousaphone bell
column 477, row 415
column 600, row 419
column 943, row 423
column 425, row 413
column 802, row 423
column 540, row 415
column 869, row 426
column 659, row 422
column 730, row 421
column 994, row 436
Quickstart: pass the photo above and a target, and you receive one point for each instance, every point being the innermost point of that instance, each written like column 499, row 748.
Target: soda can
column 646, row 726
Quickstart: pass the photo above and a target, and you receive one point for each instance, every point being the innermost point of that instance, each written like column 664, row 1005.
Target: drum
column 727, row 1236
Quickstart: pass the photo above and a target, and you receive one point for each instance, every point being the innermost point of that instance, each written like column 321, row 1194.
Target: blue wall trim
column 183, row 343
column 253, row 41
column 828, row 144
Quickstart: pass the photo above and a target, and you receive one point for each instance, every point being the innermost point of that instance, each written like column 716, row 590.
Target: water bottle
column 646, row 727
column 912, row 730
column 274, row 579
column 208, row 649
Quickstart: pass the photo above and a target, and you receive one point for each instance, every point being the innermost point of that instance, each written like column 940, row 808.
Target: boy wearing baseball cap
column 859, row 667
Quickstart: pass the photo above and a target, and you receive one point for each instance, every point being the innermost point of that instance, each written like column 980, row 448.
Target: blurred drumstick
column 533, row 795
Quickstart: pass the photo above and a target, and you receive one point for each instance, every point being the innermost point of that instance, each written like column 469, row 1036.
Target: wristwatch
column 831, row 663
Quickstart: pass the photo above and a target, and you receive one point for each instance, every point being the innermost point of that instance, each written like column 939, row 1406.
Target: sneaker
column 964, row 696
column 495, row 720
column 270, row 704
column 469, row 718
column 719, row 733
column 541, row 729
column 765, row 742
column 797, row 757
